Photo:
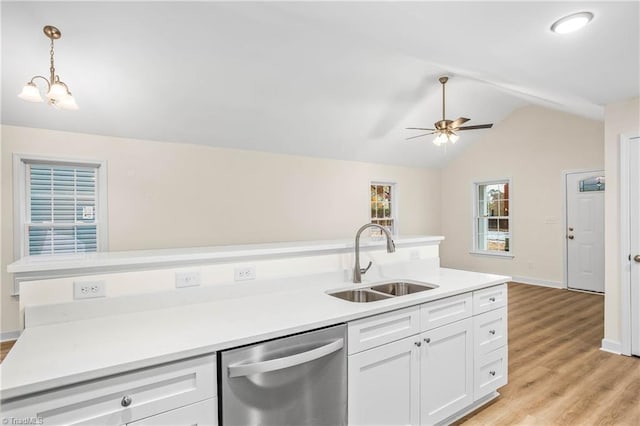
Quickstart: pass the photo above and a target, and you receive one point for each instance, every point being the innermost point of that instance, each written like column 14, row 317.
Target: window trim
column 394, row 202
column 20, row 162
column 474, row 194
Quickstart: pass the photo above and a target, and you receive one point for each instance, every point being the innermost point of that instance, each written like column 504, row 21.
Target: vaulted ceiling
column 327, row 79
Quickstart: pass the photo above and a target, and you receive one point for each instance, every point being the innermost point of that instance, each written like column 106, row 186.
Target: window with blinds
column 61, row 209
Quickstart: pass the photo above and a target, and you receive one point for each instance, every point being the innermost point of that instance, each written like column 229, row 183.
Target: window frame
column 20, row 196
column 476, row 215
column 394, row 203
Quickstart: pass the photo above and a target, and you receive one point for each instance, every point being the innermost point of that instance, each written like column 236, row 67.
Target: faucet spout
column 391, row 247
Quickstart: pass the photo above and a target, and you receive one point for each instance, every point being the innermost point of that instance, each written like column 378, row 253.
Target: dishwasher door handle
column 241, row 370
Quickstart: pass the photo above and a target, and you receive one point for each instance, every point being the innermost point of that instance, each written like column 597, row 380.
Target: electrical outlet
column 187, row 279
column 244, row 273
column 89, row 289
column 414, row 255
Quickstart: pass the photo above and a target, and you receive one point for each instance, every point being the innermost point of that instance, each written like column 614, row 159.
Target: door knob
column 637, row 258
column 570, row 229
column 571, row 237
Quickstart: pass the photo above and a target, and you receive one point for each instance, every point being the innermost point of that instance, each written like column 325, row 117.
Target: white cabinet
column 405, row 373
column 203, row 413
column 446, row 371
column 384, row 384
column 123, row 398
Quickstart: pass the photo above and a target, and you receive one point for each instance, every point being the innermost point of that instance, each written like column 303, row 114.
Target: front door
column 585, row 230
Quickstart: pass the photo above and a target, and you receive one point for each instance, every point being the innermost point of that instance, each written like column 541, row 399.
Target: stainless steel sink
column 382, row 291
column 360, row 295
column 401, row 288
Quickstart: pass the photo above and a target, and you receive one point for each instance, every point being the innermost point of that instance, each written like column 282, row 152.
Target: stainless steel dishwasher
column 296, row 380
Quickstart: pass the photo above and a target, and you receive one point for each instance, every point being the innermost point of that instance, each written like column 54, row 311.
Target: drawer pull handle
column 126, row 401
column 492, row 332
column 493, row 373
column 427, row 340
column 492, row 299
column 418, row 343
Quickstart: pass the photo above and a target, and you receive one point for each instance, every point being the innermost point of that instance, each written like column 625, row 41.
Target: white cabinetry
column 402, row 373
column 384, row 384
column 446, row 371
column 198, row 414
column 127, row 397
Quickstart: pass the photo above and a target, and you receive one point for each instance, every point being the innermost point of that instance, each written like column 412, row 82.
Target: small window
column 61, row 206
column 492, row 231
column 383, row 208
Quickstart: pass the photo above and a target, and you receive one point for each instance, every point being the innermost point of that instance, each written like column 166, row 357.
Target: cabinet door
column 384, row 384
column 203, row 413
column 446, row 378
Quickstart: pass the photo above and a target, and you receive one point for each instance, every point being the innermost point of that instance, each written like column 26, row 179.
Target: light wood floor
column 5, row 347
column 557, row 373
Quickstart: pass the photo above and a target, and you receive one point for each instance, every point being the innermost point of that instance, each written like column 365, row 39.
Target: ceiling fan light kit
column 58, row 94
column 571, row 23
column 445, row 130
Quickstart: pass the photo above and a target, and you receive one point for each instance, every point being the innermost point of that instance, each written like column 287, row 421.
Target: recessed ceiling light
column 571, row 23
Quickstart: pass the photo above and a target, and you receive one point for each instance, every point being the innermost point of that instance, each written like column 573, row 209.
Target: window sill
column 492, row 254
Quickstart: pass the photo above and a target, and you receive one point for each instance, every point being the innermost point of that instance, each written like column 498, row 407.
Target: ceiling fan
column 446, row 129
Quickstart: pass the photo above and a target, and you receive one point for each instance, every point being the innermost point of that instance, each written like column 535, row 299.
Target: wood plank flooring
column 5, row 347
column 557, row 373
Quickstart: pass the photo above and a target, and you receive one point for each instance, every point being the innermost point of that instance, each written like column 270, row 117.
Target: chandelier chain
column 52, row 69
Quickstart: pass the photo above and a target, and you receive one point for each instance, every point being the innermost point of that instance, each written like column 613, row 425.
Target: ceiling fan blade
column 418, row 128
column 457, row 122
column 419, row 136
column 478, row 126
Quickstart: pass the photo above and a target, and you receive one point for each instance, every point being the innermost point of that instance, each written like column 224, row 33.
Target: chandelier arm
column 44, row 78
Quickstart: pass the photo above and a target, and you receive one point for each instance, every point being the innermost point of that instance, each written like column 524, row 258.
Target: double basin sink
column 382, row 291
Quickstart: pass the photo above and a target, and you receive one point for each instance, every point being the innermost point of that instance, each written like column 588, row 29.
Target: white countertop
column 61, row 354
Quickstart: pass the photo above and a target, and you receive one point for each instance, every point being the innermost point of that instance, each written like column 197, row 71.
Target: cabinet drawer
column 490, row 372
column 102, row 402
column 445, row 311
column 375, row 331
column 203, row 413
column 488, row 299
column 490, row 331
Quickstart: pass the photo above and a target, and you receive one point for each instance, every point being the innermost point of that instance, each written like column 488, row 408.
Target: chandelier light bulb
column 68, row 102
column 30, row 93
column 453, row 138
column 57, row 92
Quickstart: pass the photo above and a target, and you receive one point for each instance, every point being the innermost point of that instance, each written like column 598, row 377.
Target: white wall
column 164, row 195
column 533, row 146
column 620, row 118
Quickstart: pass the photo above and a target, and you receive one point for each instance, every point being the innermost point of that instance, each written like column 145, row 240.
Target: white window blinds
column 61, row 209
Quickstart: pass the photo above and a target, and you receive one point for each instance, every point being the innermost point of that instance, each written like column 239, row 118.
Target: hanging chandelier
column 58, row 94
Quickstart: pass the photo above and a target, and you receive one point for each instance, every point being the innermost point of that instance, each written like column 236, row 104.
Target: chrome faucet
column 391, row 247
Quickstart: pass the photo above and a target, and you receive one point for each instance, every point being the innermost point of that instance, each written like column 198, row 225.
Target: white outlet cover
column 89, row 289
column 187, row 279
column 244, row 273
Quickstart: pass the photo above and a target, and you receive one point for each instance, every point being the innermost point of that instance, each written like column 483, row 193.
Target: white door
column 634, row 222
column 384, row 384
column 585, row 231
column 446, row 371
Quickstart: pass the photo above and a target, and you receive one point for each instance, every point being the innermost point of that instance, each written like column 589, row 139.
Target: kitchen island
column 65, row 354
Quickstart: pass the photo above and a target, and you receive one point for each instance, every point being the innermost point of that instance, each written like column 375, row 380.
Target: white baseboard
column 9, row 335
column 612, row 346
column 536, row 281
